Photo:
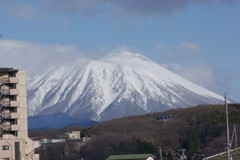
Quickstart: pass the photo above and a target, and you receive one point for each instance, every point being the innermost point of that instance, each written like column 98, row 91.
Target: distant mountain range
column 57, row 120
column 115, row 86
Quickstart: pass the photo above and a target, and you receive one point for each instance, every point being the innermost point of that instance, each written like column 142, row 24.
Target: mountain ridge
column 56, row 120
column 115, row 86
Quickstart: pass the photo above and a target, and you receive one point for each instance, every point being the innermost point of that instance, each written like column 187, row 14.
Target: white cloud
column 204, row 75
column 170, row 55
column 192, row 47
column 199, row 73
column 182, row 51
column 36, row 57
column 23, row 11
column 18, row 9
column 160, row 46
column 89, row 7
column 143, row 8
column 123, row 48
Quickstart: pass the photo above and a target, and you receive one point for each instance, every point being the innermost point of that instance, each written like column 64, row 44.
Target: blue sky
column 198, row 39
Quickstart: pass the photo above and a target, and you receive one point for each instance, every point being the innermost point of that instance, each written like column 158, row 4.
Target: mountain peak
column 120, row 84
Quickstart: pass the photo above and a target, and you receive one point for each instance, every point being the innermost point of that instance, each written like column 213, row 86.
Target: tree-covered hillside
column 200, row 129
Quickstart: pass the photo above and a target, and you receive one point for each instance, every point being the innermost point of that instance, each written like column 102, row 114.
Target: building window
column 15, row 133
column 13, row 121
column 12, row 86
column 13, row 98
column 13, row 110
column 12, row 74
column 5, row 147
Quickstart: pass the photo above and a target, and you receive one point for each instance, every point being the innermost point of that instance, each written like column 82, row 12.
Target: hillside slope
column 199, row 129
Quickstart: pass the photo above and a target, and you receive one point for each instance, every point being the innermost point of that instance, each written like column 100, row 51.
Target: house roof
column 129, row 156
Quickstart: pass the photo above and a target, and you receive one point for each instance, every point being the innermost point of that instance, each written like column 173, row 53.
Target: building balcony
column 13, row 80
column 5, row 91
column 14, row 91
column 14, row 103
column 15, row 115
column 5, row 115
column 6, row 127
column 4, row 80
column 5, row 103
column 15, row 127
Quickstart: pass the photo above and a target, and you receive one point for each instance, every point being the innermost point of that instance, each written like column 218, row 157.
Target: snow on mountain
column 115, row 86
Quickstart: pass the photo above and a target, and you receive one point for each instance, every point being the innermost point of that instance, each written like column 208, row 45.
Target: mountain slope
column 117, row 85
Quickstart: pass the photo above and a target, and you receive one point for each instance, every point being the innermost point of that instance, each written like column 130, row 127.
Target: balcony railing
column 15, row 127
column 5, row 91
column 7, row 103
column 5, row 127
column 14, row 115
column 5, row 115
column 14, row 91
column 4, row 80
column 14, row 103
column 13, row 80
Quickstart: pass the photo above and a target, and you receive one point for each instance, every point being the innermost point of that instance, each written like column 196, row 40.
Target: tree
column 193, row 141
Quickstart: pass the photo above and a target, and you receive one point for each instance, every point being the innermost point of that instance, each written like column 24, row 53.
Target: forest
column 201, row 130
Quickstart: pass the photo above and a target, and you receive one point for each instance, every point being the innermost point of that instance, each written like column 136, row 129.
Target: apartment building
column 14, row 141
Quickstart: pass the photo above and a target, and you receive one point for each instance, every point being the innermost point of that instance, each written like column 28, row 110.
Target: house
column 73, row 135
column 131, row 157
column 48, row 141
column 165, row 117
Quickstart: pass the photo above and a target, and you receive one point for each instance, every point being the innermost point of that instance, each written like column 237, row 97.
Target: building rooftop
column 129, row 156
column 8, row 70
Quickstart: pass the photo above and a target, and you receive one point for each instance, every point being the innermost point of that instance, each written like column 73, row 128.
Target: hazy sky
column 198, row 39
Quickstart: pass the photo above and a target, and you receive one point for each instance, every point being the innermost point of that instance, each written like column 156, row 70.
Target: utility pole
column 160, row 153
column 183, row 155
column 228, row 143
column 235, row 132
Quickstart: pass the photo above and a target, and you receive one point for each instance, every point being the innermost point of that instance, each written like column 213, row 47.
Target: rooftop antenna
column 228, row 142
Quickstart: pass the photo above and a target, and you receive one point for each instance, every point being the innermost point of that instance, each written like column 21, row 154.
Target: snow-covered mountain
column 115, row 86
